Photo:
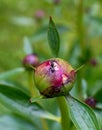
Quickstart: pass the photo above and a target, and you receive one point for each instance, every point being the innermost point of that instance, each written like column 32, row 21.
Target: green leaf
column 53, row 38
column 14, row 122
column 82, row 116
column 40, row 34
column 11, row 73
column 27, row 46
column 17, row 100
column 99, row 117
column 22, row 21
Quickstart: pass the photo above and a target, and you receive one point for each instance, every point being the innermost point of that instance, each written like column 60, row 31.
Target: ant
column 52, row 69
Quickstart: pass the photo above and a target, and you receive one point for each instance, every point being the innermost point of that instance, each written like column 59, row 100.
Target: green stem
column 65, row 120
column 80, row 23
column 45, row 126
column 34, row 93
column 81, row 36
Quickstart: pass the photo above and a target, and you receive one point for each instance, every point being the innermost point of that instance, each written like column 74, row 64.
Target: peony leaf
column 53, row 38
column 82, row 116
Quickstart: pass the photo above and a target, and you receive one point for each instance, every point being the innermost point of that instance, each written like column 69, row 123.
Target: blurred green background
column 17, row 20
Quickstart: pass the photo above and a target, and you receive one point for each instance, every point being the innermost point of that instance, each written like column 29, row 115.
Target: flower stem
column 44, row 123
column 65, row 121
column 80, row 23
column 81, row 36
column 34, row 93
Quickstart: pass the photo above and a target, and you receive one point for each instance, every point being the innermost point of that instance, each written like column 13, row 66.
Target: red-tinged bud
column 39, row 14
column 30, row 60
column 54, row 77
column 93, row 62
column 91, row 102
column 56, row 2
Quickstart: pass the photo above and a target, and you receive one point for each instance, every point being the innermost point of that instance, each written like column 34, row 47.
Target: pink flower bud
column 54, row 77
column 39, row 14
column 91, row 102
column 31, row 60
column 93, row 62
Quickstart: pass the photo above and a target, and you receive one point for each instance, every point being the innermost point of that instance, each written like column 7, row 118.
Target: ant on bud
column 52, row 66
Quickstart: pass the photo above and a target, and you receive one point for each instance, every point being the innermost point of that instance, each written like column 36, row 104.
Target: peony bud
column 31, row 60
column 56, row 2
column 93, row 62
column 54, row 77
column 39, row 14
column 91, row 102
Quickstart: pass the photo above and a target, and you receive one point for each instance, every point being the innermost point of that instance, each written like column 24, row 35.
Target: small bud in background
column 56, row 2
column 54, row 77
column 93, row 62
column 30, row 60
column 87, row 10
column 91, row 102
column 39, row 15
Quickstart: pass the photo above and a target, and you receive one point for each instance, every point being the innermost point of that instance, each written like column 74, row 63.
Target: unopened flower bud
column 54, row 77
column 91, row 102
column 93, row 62
column 39, row 14
column 31, row 60
column 56, row 2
